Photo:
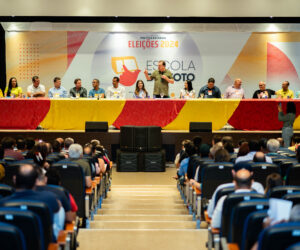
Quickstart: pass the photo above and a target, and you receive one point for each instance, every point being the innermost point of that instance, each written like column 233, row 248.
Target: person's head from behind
column 281, row 141
column 229, row 147
column 183, row 143
column 8, row 142
column 262, row 143
column 87, row 149
column 241, row 141
column 243, row 179
column 244, row 149
column 26, row 177
column 216, row 139
column 68, row 142
column 226, row 139
column 241, row 165
column 273, row 180
column 188, row 85
column 197, row 140
column 259, row 157
column 190, row 149
column 273, row 145
column 53, row 177
column 210, row 83
column 291, row 108
column 21, row 144
column 115, row 81
column 222, row 155
column 30, row 142
column 56, row 146
column 75, row 151
column 40, row 152
column 214, row 149
column 285, row 85
column 253, row 146
column 204, row 150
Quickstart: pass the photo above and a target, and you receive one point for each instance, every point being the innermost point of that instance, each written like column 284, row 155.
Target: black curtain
column 2, row 59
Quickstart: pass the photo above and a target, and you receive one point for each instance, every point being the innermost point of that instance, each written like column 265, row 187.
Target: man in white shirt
column 36, row 89
column 235, row 91
column 115, row 91
column 242, row 183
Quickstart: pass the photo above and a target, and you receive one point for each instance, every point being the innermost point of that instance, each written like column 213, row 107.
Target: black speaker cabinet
column 127, row 161
column 155, row 161
column 200, row 127
column 96, row 126
column 127, row 138
column 154, row 139
column 140, row 138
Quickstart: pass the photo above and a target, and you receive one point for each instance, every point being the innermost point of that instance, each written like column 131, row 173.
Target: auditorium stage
column 171, row 139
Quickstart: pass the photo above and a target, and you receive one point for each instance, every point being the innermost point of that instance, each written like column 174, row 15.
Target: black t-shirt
column 60, row 195
column 268, row 94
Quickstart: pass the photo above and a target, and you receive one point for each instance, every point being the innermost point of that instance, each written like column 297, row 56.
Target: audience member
column 273, row 180
column 30, row 142
column 263, row 93
column 8, row 144
column 253, row 147
column 222, row 155
column 197, row 140
column 187, row 92
column 288, row 122
column 116, row 91
column 210, row 90
column 216, row 139
column 204, row 150
column 67, row 143
column 21, row 146
column 182, row 154
column 214, row 149
column 13, row 90
column 226, row 139
column 262, row 143
column 242, row 184
column 229, row 147
column 273, row 146
column 57, row 90
column 78, row 90
column 36, row 89
column 96, row 91
column 285, row 92
column 259, row 157
column 235, row 91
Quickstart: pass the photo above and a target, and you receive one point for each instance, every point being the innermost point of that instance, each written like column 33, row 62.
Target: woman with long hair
column 12, row 89
column 288, row 122
column 188, row 92
column 140, row 91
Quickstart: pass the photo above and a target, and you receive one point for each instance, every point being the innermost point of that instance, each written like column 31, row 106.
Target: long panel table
column 170, row 114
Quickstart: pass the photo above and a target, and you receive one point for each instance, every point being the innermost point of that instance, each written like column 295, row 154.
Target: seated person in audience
column 197, row 140
column 56, row 149
column 226, row 139
column 2, row 169
column 253, row 147
column 36, row 89
column 272, row 147
column 12, row 89
column 97, row 154
column 216, row 139
column 75, row 155
column 30, row 142
column 57, row 90
column 295, row 143
column 229, row 147
column 262, row 143
column 25, row 182
column 204, row 150
column 21, row 146
column 210, row 90
column 256, row 186
column 8, row 145
column 242, row 184
column 222, row 155
column 96, row 91
column 39, row 155
column 235, row 91
column 243, row 149
column 273, row 180
column 262, row 92
column 190, row 150
column 187, row 92
column 54, row 178
column 116, row 91
column 259, row 157
column 182, row 154
column 214, row 149
column 78, row 90
column 41, row 185
column 140, row 90
column 241, row 141
column 285, row 92
column 67, row 143
column 281, row 142
column 87, row 149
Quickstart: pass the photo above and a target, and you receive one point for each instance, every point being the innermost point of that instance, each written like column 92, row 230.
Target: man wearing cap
column 256, row 186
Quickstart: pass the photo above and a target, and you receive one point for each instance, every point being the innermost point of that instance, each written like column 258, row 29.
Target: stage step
column 143, row 211
column 141, row 217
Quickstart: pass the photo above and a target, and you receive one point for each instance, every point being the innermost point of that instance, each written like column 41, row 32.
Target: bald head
column 243, row 179
column 259, row 157
column 262, row 85
column 26, row 177
column 237, row 83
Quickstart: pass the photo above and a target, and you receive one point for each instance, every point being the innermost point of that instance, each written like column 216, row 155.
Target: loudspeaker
column 96, row 126
column 154, row 138
column 155, row 161
column 127, row 162
column 200, row 127
column 127, row 138
column 140, row 138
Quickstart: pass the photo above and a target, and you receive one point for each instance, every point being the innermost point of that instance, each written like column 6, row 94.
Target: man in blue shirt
column 210, row 90
column 97, row 90
column 57, row 90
